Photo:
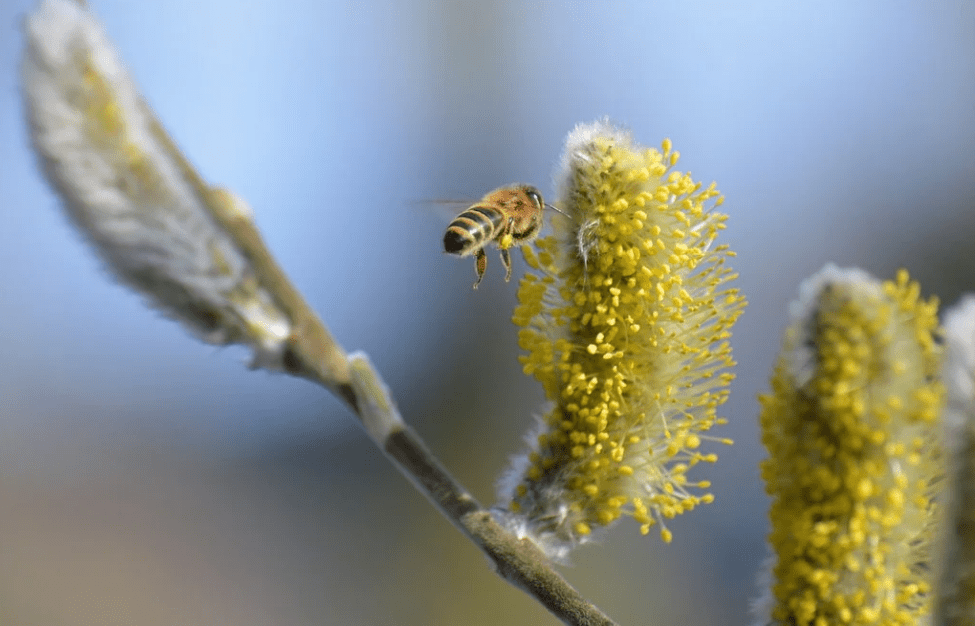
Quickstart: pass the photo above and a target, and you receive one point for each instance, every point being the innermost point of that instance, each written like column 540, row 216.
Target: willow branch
column 519, row 562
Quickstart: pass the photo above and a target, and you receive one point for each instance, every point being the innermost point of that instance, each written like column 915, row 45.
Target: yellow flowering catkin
column 851, row 427
column 626, row 322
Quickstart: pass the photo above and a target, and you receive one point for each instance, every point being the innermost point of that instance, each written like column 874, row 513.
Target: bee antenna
column 556, row 209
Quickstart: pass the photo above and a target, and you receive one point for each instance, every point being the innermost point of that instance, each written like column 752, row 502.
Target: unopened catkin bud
column 127, row 188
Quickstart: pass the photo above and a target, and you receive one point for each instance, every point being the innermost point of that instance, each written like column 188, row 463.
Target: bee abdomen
column 472, row 229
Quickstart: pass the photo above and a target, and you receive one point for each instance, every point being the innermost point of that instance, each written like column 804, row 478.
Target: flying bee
column 506, row 216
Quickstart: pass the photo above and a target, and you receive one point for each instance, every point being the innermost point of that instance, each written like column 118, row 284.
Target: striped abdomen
column 472, row 229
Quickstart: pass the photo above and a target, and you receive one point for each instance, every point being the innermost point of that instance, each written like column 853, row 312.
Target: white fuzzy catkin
column 956, row 601
column 958, row 372
column 126, row 187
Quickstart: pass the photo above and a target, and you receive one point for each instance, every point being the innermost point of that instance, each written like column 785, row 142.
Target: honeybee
column 506, row 216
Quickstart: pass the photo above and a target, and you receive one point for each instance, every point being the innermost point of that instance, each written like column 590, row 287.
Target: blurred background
column 146, row 478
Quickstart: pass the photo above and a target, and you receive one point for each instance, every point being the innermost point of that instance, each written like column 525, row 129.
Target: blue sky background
column 837, row 131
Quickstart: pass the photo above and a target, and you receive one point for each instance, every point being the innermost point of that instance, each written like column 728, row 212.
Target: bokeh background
column 148, row 479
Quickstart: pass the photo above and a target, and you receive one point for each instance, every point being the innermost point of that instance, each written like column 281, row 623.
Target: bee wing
column 447, row 210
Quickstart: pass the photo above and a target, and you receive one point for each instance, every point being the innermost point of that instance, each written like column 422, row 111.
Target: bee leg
column 506, row 261
column 480, row 266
